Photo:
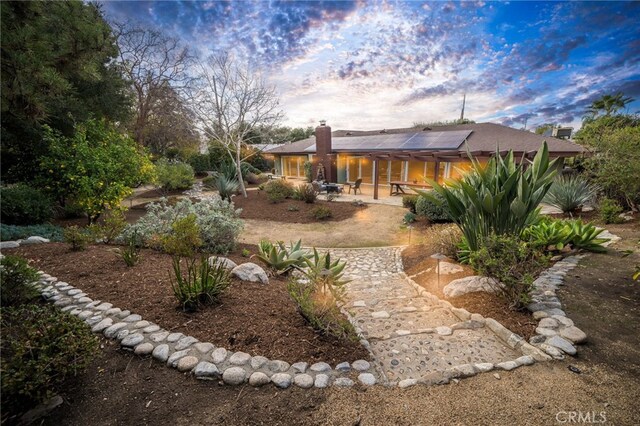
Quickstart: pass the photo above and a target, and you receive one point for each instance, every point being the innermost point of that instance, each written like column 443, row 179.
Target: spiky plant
column 570, row 193
column 226, row 186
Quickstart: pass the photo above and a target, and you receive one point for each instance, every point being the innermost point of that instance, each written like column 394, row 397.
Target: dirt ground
column 251, row 317
column 120, row 389
column 374, row 226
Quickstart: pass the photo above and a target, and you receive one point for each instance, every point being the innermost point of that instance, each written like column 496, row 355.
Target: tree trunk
column 239, row 172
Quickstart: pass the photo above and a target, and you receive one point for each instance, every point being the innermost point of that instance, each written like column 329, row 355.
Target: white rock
column 361, row 365
column 444, row 331
column 203, row 347
column 407, row 383
column 278, row 366
column 206, row 371
column 35, row 240
column 367, row 379
column 234, row 375
column 470, row 284
column 239, row 358
column 447, row 268
column 359, row 304
column 219, row 355
column 546, row 331
column 159, row 337
column 320, row 367
column 483, row 367
column 225, row 262
column 258, row 379
column 573, row 334
column 548, row 323
column 143, row 349
column 299, row 367
column 524, row 360
column 281, row 380
column 304, row 381
column 507, row 365
column 322, row 381
column 185, row 342
column 111, row 331
column 175, row 357
column 102, row 325
column 562, row 344
column 343, row 367
column 250, row 272
column 343, row 382
column 9, row 245
column 380, row 314
column 187, row 363
column 132, row 340
column 161, row 352
column 258, row 361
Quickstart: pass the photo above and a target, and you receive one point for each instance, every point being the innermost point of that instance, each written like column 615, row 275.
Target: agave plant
column 226, row 186
column 549, row 234
column 570, row 193
column 584, row 236
column 325, row 274
column 501, row 197
column 280, row 258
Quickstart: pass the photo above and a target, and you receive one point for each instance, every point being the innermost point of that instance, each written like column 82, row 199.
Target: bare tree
column 151, row 61
column 231, row 102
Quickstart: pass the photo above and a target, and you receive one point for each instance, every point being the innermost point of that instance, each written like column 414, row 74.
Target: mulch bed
column 254, row 318
column 416, row 259
column 258, row 206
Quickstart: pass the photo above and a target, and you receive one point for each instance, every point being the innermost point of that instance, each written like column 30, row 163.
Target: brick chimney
column 323, row 152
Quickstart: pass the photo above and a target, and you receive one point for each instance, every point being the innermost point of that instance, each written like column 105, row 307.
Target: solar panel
column 423, row 141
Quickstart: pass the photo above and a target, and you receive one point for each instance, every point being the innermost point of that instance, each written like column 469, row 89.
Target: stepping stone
column 380, row 314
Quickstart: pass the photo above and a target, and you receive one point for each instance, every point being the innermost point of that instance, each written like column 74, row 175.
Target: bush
column 321, row 213
column 78, row 238
column 409, row 202
column 174, row 176
column 41, row 348
column 305, row 192
column 442, row 238
column 23, row 205
column 409, row 217
column 203, row 284
column 209, row 182
column 512, row 262
column 200, row 163
column 13, row 232
column 434, row 211
column 111, row 227
column 184, row 239
column 226, row 186
column 217, row 220
column 609, row 211
column 278, row 190
column 16, row 281
column 570, row 193
column 131, row 252
column 308, row 167
column 501, row 197
column 279, row 258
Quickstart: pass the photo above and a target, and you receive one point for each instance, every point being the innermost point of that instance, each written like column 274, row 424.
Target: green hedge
column 436, row 213
column 23, row 205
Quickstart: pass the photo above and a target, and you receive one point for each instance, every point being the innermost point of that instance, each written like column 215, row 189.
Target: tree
column 609, row 104
column 155, row 65
column 95, row 168
column 57, row 70
column 230, row 103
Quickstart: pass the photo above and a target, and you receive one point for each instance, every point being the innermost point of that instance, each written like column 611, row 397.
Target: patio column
column 375, row 179
column 437, row 171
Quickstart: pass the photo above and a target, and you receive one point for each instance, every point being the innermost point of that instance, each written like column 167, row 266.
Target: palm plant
column 501, row 197
column 570, row 193
column 609, row 104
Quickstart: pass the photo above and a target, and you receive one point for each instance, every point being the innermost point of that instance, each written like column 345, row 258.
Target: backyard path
column 415, row 337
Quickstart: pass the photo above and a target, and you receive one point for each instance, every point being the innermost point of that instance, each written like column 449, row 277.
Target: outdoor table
column 398, row 184
column 332, row 187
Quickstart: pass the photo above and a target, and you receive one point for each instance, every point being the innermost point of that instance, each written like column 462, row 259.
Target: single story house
column 408, row 155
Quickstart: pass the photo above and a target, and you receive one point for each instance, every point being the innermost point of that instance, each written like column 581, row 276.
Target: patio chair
column 355, row 185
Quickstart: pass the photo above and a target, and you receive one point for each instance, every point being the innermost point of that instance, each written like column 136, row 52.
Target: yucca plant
column 226, row 186
column 203, row 283
column 501, row 197
column 325, row 274
column 279, row 258
column 570, row 193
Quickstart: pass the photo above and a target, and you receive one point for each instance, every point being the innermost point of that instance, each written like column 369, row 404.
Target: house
column 409, row 154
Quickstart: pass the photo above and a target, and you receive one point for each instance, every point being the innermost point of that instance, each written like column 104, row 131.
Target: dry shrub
column 442, row 238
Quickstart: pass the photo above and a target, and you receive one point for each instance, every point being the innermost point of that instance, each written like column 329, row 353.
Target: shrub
column 41, row 348
column 246, row 253
column 217, row 220
column 174, row 175
column 131, row 252
column 501, row 197
column 111, row 227
column 570, row 193
column 409, row 202
column 293, row 208
column 278, row 189
column 464, row 252
column 279, row 258
column 210, row 181
column 325, row 274
column 433, row 208
column 442, row 238
column 23, row 205
column 200, row 163
column 184, row 238
column 321, row 213
column 308, row 167
column 305, row 192
column 203, row 283
column 16, row 281
column 96, row 167
column 78, row 238
column 13, row 232
column 512, row 262
column 409, row 217
column 609, row 211
column 226, row 187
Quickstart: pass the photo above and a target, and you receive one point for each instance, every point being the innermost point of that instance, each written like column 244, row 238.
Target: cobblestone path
column 413, row 335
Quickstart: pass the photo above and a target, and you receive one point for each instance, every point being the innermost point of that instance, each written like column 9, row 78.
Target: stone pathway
column 414, row 336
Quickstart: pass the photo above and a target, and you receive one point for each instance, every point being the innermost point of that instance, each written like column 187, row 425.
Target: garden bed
column 416, row 259
column 254, row 318
column 258, row 206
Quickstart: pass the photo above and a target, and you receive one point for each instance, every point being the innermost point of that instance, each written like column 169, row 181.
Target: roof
column 415, row 141
column 485, row 137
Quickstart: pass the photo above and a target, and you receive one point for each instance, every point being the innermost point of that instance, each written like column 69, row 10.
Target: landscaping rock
column 161, row 352
column 300, row 367
column 9, row 245
column 250, row 272
column 367, row 379
column 524, row 360
column 225, row 262
column 304, row 381
column 320, row 367
column 322, row 381
column 132, row 318
column 174, row 337
column 483, row 367
column 132, row 340
column 380, row 314
column 343, row 367
column 206, row 371
column 573, row 334
column 407, row 383
column 111, row 331
column 159, row 337
column 219, row 355
column 343, row 382
column 444, row 331
column 151, row 329
column 35, row 240
column 203, row 348
column 508, row 365
column 548, row 323
column 258, row 379
column 446, row 268
column 175, row 357
column 234, row 375
column 562, row 344
column 187, row 363
column 102, row 325
column 239, row 358
column 278, row 366
column 361, row 365
column 143, row 349
column 281, row 380
column 469, row 285
column 185, row 342
column 258, row 361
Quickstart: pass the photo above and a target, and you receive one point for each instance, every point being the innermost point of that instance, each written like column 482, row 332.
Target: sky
column 386, row 64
